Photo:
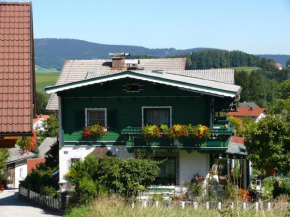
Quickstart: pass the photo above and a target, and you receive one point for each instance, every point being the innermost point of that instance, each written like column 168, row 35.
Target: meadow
column 45, row 77
column 245, row 68
column 113, row 207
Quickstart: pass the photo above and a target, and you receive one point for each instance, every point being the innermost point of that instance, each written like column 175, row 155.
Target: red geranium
column 27, row 143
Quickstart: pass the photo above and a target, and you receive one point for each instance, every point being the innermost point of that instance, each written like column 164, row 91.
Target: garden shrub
column 93, row 177
column 281, row 187
column 40, row 180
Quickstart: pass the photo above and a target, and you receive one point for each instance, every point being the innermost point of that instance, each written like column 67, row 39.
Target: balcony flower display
column 177, row 131
column 200, row 131
column 94, row 131
column 150, row 132
column 27, row 143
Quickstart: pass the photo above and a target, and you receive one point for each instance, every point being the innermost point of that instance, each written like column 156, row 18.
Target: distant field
column 245, row 68
column 44, row 79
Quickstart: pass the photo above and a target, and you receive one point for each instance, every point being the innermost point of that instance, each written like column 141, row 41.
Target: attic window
column 132, row 87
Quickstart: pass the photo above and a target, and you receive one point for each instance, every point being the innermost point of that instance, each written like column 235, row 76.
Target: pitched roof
column 16, row 68
column 248, row 105
column 239, row 140
column 76, row 70
column 236, row 146
column 187, row 83
column 46, row 146
column 14, row 155
column 247, row 112
column 44, row 117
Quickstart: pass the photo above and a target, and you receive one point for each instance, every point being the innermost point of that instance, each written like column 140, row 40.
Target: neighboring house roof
column 45, row 146
column 248, row 105
column 278, row 64
column 247, row 112
column 76, row 70
column 39, row 117
column 187, row 83
column 239, row 140
column 14, row 155
column 236, row 146
column 17, row 85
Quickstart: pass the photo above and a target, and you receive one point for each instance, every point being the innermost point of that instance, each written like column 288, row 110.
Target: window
column 156, row 116
column 74, row 160
column 96, row 115
column 21, row 172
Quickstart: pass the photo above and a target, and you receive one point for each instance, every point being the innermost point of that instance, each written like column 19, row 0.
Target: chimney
column 118, row 61
column 251, row 108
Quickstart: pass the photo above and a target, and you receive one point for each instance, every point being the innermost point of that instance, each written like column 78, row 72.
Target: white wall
column 191, row 164
column 66, row 153
column 262, row 115
column 19, row 176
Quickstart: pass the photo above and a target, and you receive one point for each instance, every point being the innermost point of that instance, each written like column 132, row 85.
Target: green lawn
column 245, row 68
column 44, row 79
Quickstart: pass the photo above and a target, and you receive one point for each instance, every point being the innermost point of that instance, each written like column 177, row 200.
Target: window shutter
column 112, row 118
column 80, row 119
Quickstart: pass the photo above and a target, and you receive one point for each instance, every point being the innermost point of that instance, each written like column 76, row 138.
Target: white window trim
column 166, row 107
column 96, row 109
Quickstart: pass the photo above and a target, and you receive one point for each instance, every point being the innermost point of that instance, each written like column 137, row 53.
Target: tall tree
column 268, row 144
column 41, row 102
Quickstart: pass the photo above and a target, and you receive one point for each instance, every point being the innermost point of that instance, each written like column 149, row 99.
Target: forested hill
column 208, row 59
column 51, row 53
column 278, row 58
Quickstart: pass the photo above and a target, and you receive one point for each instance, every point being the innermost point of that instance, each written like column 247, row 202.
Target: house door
column 167, row 175
column 11, row 177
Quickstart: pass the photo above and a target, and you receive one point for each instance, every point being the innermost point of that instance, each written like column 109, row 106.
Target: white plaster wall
column 262, row 115
column 191, row 164
column 18, row 166
column 81, row 152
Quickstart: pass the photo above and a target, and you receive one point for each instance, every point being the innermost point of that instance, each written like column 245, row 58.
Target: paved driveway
column 10, row 206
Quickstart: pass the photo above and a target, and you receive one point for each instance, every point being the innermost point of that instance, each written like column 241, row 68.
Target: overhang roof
column 76, row 70
column 186, row 83
column 16, row 68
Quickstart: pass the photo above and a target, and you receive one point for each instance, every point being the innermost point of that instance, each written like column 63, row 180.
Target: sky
column 252, row 26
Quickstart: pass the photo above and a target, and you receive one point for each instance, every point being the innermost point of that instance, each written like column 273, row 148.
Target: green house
column 124, row 95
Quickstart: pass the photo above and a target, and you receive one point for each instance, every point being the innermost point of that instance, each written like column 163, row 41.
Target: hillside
column 51, row 53
column 278, row 58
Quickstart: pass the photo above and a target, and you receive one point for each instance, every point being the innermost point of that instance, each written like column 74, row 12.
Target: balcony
column 218, row 142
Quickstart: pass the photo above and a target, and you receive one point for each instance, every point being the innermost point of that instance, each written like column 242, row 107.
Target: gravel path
column 10, row 206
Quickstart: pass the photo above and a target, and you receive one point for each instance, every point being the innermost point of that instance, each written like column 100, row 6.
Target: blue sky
column 253, row 26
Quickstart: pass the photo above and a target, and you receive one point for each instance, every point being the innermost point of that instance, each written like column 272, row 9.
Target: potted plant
column 201, row 133
column 175, row 198
column 151, row 134
column 94, row 131
column 177, row 132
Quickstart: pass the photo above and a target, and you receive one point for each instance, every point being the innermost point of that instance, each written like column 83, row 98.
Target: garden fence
column 42, row 200
column 257, row 206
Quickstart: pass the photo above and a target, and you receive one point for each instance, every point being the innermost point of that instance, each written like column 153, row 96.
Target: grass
column 114, row 207
column 245, row 68
column 45, row 79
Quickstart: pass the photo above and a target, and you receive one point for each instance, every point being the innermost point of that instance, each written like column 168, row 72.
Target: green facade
column 125, row 108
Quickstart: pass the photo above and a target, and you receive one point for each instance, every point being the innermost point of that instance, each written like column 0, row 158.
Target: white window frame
column 20, row 172
column 96, row 109
column 154, row 107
